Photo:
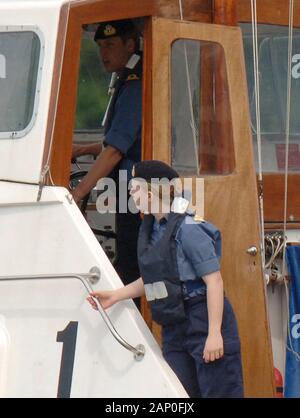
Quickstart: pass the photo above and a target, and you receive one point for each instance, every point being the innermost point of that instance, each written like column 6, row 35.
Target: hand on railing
column 106, row 298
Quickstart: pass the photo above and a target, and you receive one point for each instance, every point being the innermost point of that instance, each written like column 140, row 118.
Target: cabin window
column 202, row 140
column 20, row 55
column 92, row 97
column 272, row 61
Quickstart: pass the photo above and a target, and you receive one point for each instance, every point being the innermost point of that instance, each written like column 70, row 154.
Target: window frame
column 28, row 28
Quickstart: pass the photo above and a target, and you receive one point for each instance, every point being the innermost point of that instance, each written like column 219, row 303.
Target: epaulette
column 198, row 218
column 132, row 77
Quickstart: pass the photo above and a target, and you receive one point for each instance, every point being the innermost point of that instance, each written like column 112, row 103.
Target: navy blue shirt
column 198, row 248
column 124, row 133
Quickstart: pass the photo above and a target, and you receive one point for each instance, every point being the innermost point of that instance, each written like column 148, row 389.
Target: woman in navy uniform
column 118, row 43
column 179, row 260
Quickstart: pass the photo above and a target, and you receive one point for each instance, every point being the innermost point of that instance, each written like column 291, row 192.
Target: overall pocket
column 169, row 310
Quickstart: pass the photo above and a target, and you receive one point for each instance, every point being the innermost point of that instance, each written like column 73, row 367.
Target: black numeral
column 68, row 338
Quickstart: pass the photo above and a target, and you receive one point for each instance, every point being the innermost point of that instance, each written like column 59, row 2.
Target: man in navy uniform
column 118, row 43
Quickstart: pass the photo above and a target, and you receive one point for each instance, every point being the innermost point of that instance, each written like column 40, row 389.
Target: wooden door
column 230, row 193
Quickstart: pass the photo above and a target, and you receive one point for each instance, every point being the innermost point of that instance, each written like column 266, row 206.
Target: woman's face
column 140, row 195
column 146, row 200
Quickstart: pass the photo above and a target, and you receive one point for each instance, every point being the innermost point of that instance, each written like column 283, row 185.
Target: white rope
column 192, row 121
column 180, row 9
column 274, row 251
column 286, row 169
column 258, row 125
column 287, row 125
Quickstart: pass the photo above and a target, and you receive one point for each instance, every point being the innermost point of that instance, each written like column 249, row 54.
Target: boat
column 214, row 97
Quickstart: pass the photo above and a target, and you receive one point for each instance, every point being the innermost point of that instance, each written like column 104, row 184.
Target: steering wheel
column 75, row 178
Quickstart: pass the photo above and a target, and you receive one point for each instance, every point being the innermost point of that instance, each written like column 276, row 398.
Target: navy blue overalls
column 185, row 320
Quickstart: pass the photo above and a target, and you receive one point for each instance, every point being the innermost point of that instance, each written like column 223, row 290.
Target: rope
column 287, row 125
column 180, row 9
column 286, row 169
column 258, row 125
column 192, row 121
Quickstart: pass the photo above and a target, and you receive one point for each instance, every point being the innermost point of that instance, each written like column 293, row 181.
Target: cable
column 287, row 138
column 192, row 121
column 258, row 125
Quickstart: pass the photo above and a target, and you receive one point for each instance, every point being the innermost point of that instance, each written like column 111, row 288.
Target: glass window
column 273, row 64
column 202, row 141
column 92, row 98
column 19, row 66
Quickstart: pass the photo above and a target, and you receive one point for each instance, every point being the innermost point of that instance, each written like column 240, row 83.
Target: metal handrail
column 93, row 276
column 32, row 203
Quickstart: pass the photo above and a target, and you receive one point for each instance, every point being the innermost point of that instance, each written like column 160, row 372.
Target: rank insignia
column 198, row 218
column 132, row 77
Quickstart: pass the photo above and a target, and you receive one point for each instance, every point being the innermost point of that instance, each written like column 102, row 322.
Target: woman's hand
column 214, row 347
column 106, row 298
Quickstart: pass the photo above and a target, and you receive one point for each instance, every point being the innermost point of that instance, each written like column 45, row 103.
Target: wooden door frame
column 242, row 182
column 79, row 13
column 61, row 118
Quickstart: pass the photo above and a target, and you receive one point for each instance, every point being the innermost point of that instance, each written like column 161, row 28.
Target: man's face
column 115, row 53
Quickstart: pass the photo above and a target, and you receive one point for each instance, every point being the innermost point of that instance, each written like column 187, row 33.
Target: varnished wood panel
column 216, row 152
column 225, row 12
column 208, row 141
column 55, row 84
column 147, row 94
column 273, row 186
column 65, row 116
column 195, row 10
column 274, row 12
column 230, row 201
column 91, row 11
column 192, row 9
column 273, row 226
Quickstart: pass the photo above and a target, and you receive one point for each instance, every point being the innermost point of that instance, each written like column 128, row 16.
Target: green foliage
column 92, row 97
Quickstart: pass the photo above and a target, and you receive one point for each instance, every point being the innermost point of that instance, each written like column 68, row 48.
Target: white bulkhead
column 27, row 50
column 51, row 342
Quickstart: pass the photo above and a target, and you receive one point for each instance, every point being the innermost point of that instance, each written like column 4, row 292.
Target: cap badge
column 109, row 30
